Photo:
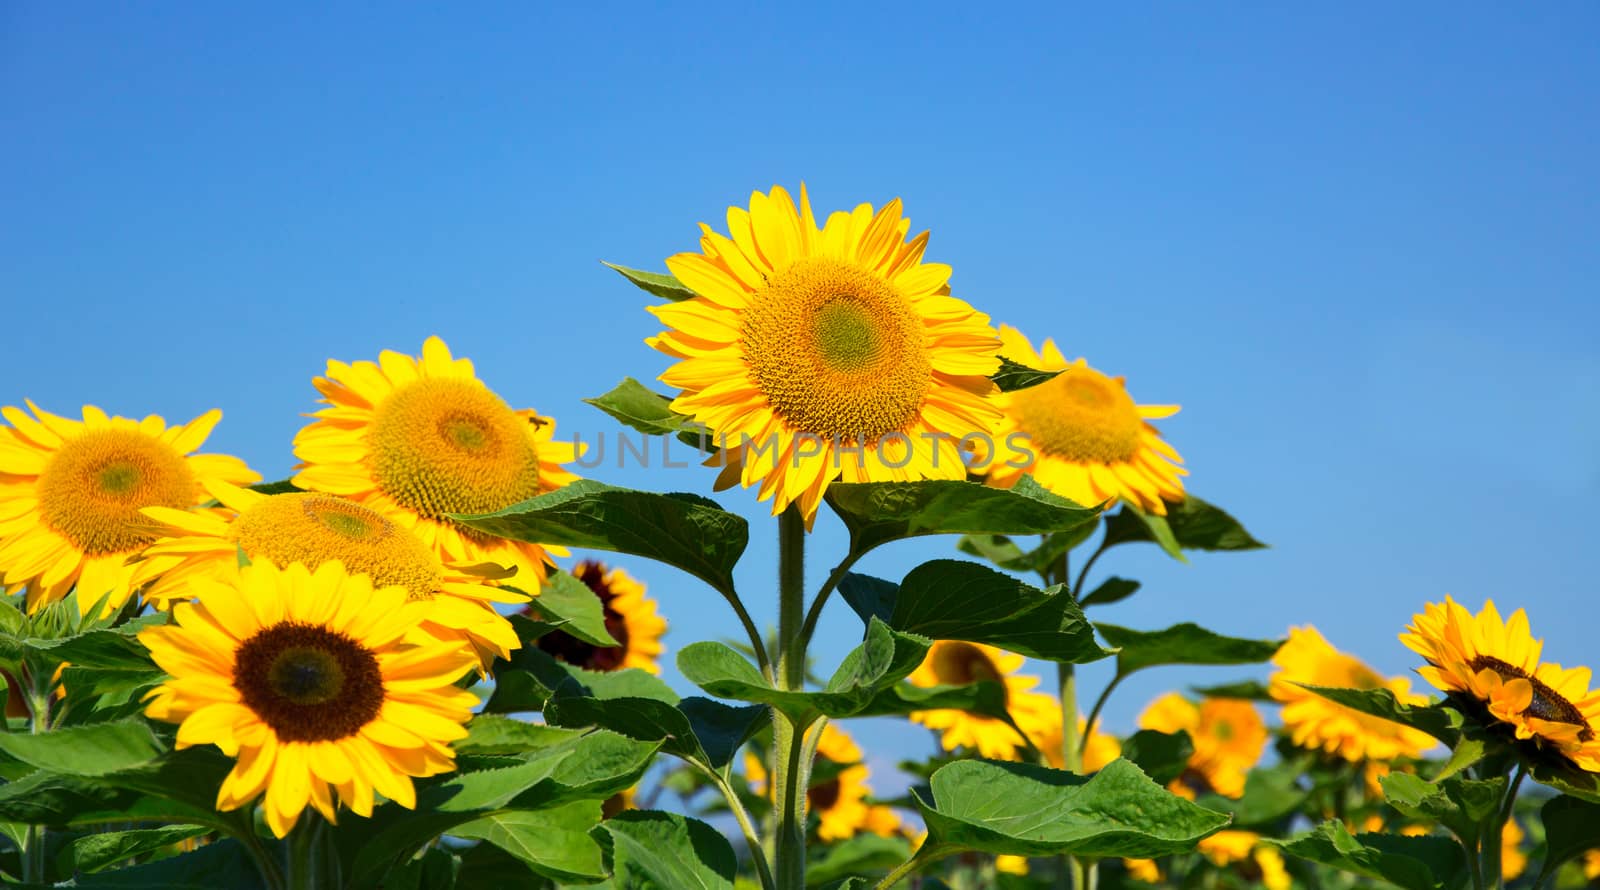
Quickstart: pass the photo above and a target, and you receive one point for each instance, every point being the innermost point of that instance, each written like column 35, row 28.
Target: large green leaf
column 636, row 405
column 682, row 530
column 879, row 512
column 1571, row 828
column 1026, row 810
column 696, row 729
column 664, row 851
column 1183, row 644
column 1190, row 524
column 1013, row 376
column 93, row 852
column 565, row 601
column 495, row 734
column 955, row 600
column 1415, row 863
column 1008, row 555
column 46, row 798
column 1111, row 590
column 553, row 842
column 1461, row 805
column 661, row 284
column 93, row 750
column 1163, row 756
column 862, row 853
column 986, row 697
column 223, row 864
column 531, row 676
column 1437, row 720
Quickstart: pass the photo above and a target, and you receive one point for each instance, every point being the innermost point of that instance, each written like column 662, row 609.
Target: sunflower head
column 307, row 679
column 631, row 620
column 1491, row 667
column 1087, row 439
column 1315, row 722
column 1228, row 735
column 953, row 662
column 816, row 353
column 70, row 504
column 421, row 439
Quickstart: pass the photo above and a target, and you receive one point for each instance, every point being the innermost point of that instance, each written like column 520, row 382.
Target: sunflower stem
column 746, row 825
column 39, row 693
column 1493, row 839
column 789, row 775
column 302, row 854
column 1073, row 873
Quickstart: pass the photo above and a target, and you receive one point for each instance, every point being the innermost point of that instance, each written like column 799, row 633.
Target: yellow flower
column 840, row 803
column 1089, row 441
column 314, row 528
column 305, row 679
column 1101, row 749
column 71, row 491
column 1591, row 864
column 1512, row 860
column 1243, row 851
column 1494, row 665
column 952, row 662
column 1011, row 865
column 630, row 617
column 421, row 439
column 1144, row 870
column 1228, row 734
column 1315, row 722
column 822, row 353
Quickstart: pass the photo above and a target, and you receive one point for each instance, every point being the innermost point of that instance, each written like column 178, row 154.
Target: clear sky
column 1358, row 243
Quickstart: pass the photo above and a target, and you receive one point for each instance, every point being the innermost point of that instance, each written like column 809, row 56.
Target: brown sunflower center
column 568, row 648
column 958, row 664
column 837, row 351
column 443, row 446
column 93, row 487
column 1547, row 703
column 823, row 796
column 308, row 683
column 317, row 528
column 1081, row 415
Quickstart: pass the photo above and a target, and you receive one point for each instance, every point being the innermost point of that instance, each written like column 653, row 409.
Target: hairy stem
column 746, row 825
column 789, row 777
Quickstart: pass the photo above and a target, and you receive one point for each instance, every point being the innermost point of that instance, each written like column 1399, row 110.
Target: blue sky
column 1359, row 245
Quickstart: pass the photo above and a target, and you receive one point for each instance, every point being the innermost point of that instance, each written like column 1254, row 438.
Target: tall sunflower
column 1492, row 667
column 952, row 662
column 1087, row 440
column 840, row 802
column 630, row 618
column 420, row 439
column 1228, row 735
column 71, row 491
column 821, row 353
column 314, row 528
column 305, row 679
column 1315, row 722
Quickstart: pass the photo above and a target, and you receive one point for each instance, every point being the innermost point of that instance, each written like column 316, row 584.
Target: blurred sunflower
column 839, row 801
column 820, row 353
column 1101, row 749
column 71, row 491
column 1315, row 722
column 303, row 677
column 1228, row 734
column 1492, row 667
column 630, row 618
column 1243, row 851
column 1513, row 862
column 420, row 439
column 951, row 662
column 314, row 528
column 1089, row 441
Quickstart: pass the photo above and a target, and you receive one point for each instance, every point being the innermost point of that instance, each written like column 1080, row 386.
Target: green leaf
column 566, row 601
column 955, row 600
column 92, row 750
column 494, row 734
column 1128, row 525
column 697, row 729
column 282, row 486
column 1568, row 780
column 1415, row 863
column 637, row 406
column 1163, row 756
column 1111, row 590
column 222, row 864
column 1439, row 721
column 1461, row 805
column 1571, row 828
column 682, row 530
column 862, row 853
column 1005, row 553
column 985, row 697
column 1190, row 524
column 93, row 852
column 879, row 512
column 1013, row 376
column 1026, row 810
column 1249, row 690
column 1183, row 644
column 664, row 851
column 1270, row 794
column 526, row 681
column 553, row 842
column 46, row 798
column 1467, row 752
column 659, row 284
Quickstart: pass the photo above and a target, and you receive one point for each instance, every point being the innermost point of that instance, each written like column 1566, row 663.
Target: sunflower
column 820, row 353
column 71, row 491
column 951, row 662
column 1513, row 862
column 1315, row 722
column 303, row 677
column 421, row 439
column 314, row 528
column 1101, row 749
column 1244, row 851
column 1492, row 666
column 630, row 618
column 840, row 802
column 1087, row 439
column 1228, row 735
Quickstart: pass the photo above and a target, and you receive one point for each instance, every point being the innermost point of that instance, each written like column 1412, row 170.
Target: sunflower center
column 837, row 351
column 1223, row 730
column 1081, row 415
column 443, row 446
column 568, row 648
column 316, row 528
column 93, row 487
column 308, row 683
column 958, row 664
column 1547, row 703
column 823, row 796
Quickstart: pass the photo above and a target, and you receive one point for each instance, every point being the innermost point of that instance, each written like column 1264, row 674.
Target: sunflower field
column 410, row 665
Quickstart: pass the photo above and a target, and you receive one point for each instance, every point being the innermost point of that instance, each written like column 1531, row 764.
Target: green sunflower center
column 93, row 487
column 308, row 683
column 1080, row 415
column 1547, row 703
column 316, row 528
